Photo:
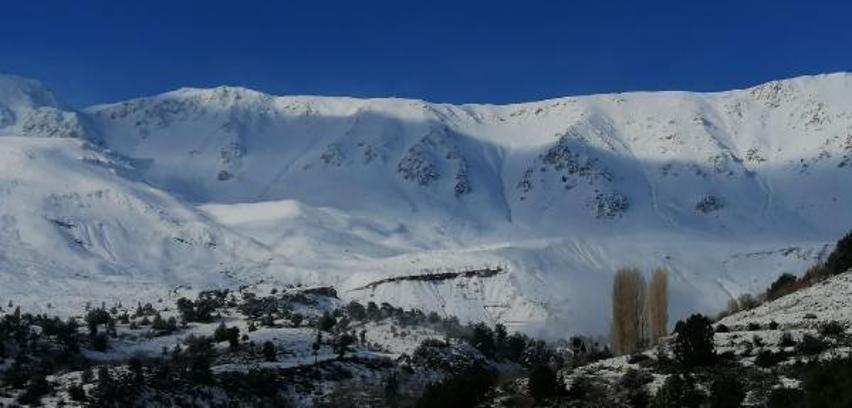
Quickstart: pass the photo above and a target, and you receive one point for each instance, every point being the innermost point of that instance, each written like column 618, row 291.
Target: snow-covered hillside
column 75, row 228
column 728, row 190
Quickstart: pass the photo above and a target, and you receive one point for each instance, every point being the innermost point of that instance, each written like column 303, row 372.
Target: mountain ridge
column 560, row 192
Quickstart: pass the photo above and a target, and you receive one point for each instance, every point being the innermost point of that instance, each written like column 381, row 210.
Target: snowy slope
column 727, row 189
column 74, row 229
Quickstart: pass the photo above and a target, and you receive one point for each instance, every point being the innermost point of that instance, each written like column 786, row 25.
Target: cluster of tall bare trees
column 639, row 313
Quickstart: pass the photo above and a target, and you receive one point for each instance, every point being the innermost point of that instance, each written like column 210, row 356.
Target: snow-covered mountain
column 726, row 189
column 27, row 108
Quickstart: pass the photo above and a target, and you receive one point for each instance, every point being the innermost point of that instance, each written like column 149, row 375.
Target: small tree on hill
column 694, row 344
column 785, row 284
column 840, row 259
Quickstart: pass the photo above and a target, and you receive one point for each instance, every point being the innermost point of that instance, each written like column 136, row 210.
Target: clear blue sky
column 445, row 51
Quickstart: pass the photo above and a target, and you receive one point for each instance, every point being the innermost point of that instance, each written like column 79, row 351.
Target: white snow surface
column 728, row 190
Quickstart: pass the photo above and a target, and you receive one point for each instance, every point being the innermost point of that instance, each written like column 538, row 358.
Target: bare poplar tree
column 658, row 304
column 629, row 312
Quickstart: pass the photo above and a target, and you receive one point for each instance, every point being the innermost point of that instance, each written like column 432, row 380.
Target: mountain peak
column 18, row 92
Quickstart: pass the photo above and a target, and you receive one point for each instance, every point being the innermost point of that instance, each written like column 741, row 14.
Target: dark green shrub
column 633, row 383
column 811, row 345
column 829, row 385
column 37, row 388
column 585, row 392
column 77, row 393
column 462, row 391
column 832, row 329
column 840, row 259
column 767, row 358
column 786, row 340
column 785, row 284
column 100, row 342
column 727, row 391
column 678, row 392
column 542, row 383
column 269, row 351
column 694, row 344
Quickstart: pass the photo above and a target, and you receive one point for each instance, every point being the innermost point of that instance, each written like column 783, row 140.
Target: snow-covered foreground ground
column 206, row 188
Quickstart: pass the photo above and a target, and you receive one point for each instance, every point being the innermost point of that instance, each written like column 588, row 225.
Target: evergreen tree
column 483, row 340
column 840, row 259
column 694, row 343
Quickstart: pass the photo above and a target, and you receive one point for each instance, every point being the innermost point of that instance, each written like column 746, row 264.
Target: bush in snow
column 811, row 345
column 543, row 383
column 679, row 391
column 829, row 384
column 832, row 329
column 694, row 344
column 465, row 390
column 727, row 391
column 633, row 385
column 840, row 259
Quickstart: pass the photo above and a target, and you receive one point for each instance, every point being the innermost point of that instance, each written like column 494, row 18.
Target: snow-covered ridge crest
column 28, row 108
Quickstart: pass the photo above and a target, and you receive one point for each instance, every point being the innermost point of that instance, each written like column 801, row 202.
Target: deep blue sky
column 103, row 51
